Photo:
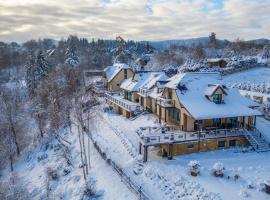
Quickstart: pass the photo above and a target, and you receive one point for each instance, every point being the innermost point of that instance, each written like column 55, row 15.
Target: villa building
column 133, row 96
column 196, row 112
column 115, row 74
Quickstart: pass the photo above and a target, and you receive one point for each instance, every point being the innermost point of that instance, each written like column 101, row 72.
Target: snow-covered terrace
column 165, row 102
column 165, row 134
column 119, row 100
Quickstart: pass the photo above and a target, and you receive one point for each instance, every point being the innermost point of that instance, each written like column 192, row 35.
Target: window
column 169, row 95
column 232, row 143
column 217, row 122
column 233, row 121
column 190, row 146
column 125, row 73
column 221, row 144
column 217, row 98
column 174, row 113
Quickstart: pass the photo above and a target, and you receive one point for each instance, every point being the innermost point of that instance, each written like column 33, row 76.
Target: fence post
column 140, row 192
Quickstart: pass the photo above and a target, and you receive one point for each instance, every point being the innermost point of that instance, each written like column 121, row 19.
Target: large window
column 125, row 73
column 221, row 144
column 127, row 95
column 232, row 143
column 174, row 113
column 217, row 98
column 217, row 122
column 233, row 121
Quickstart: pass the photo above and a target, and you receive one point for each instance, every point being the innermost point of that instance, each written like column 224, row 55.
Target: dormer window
column 217, row 98
column 215, row 93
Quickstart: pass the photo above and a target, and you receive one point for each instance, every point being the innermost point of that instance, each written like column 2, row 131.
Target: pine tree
column 42, row 68
column 72, row 57
column 31, row 81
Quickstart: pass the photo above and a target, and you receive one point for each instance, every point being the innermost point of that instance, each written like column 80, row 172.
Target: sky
column 21, row 20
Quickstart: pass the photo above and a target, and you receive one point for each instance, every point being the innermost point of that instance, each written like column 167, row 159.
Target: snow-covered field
column 253, row 83
column 255, row 75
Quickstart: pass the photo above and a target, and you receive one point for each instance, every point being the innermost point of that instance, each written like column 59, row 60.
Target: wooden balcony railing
column 165, row 102
column 119, row 100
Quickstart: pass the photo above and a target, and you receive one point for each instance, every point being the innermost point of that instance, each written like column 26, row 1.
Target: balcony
column 165, row 102
column 143, row 92
column 118, row 99
column 99, row 89
column 151, row 136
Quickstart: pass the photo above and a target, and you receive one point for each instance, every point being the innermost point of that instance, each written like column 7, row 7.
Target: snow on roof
column 200, row 107
column 209, row 91
column 145, row 80
column 154, row 93
column 176, row 79
column 112, row 71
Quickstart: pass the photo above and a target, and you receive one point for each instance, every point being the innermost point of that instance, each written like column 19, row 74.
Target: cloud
column 21, row 20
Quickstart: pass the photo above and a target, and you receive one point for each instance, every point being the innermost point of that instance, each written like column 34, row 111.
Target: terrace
column 118, row 99
column 158, row 135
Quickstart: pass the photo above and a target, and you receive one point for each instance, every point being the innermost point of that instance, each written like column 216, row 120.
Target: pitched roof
column 144, row 80
column 112, row 71
column 194, row 100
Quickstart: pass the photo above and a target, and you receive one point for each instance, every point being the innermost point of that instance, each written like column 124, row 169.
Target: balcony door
column 142, row 101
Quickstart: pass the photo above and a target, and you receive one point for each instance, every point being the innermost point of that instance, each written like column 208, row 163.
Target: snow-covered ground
column 263, row 125
column 254, row 83
column 255, row 75
column 68, row 186
column 245, row 171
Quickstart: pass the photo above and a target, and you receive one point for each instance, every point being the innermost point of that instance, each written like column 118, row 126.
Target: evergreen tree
column 42, row 66
column 31, row 81
column 72, row 57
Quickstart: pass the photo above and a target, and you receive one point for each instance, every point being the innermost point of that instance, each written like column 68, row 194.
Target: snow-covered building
column 135, row 92
column 196, row 101
column 201, row 114
column 115, row 74
column 217, row 62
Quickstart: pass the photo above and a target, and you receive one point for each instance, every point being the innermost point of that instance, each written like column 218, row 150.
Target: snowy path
column 108, row 180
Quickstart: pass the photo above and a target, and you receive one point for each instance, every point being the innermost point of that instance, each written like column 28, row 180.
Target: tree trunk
column 15, row 139
column 84, row 176
column 84, row 151
column 11, row 162
column 40, row 131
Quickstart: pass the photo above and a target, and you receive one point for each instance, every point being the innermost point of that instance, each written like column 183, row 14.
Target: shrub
column 218, row 169
column 90, row 187
column 52, row 173
column 194, row 166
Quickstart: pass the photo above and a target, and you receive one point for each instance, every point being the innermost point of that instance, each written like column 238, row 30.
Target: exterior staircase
column 257, row 140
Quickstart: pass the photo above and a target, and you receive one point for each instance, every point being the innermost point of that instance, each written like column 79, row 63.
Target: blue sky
column 21, row 20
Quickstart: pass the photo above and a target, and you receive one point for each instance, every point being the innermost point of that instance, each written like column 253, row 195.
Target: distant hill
column 193, row 42
column 186, row 42
column 261, row 41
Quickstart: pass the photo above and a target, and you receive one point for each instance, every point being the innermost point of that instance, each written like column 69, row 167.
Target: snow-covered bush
column 218, row 169
column 243, row 193
column 90, row 187
column 52, row 173
column 194, row 167
column 90, row 190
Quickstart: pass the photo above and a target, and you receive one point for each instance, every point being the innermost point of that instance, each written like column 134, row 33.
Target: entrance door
column 142, row 102
column 185, row 122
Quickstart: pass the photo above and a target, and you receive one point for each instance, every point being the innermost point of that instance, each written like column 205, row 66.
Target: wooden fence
column 137, row 189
